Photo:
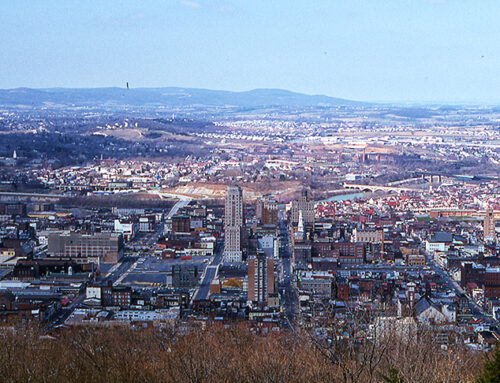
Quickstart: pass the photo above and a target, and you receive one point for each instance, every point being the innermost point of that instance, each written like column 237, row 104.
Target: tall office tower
column 306, row 206
column 233, row 224
column 489, row 225
column 260, row 278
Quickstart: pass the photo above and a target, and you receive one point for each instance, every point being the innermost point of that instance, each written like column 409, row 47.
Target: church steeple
column 300, row 228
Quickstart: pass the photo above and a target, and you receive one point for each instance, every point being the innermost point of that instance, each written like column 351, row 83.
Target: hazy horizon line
column 407, row 102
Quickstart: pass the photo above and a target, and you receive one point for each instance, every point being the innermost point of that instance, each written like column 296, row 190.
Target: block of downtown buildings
column 233, row 224
column 96, row 248
column 127, row 228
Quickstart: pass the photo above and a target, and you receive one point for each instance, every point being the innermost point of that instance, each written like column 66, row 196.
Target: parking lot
column 152, row 271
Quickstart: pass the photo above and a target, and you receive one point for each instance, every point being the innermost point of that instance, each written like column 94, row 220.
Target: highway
column 178, row 205
column 210, row 273
column 18, row 196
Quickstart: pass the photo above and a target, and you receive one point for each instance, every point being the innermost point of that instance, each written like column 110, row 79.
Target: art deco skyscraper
column 233, row 224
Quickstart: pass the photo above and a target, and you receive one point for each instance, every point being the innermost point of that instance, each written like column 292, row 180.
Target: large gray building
column 98, row 247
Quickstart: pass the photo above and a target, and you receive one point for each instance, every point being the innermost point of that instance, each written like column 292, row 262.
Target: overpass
column 16, row 195
column 374, row 188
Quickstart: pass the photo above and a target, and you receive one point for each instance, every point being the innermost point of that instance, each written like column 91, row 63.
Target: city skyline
column 215, row 190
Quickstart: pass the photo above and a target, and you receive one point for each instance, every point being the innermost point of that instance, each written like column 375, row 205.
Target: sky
column 370, row 50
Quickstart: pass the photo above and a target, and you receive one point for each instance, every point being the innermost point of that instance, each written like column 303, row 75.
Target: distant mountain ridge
column 170, row 96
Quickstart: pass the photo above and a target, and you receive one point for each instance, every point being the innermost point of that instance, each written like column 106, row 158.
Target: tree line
column 233, row 354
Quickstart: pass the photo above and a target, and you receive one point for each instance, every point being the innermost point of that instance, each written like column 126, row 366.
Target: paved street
column 290, row 299
column 476, row 310
column 65, row 312
column 210, row 273
column 145, row 240
column 118, row 275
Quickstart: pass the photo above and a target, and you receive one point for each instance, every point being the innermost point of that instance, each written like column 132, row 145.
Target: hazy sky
column 380, row 50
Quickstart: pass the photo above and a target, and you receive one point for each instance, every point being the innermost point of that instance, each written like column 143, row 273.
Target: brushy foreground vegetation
column 94, row 354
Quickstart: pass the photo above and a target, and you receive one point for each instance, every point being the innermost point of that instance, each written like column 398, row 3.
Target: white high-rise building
column 233, row 224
